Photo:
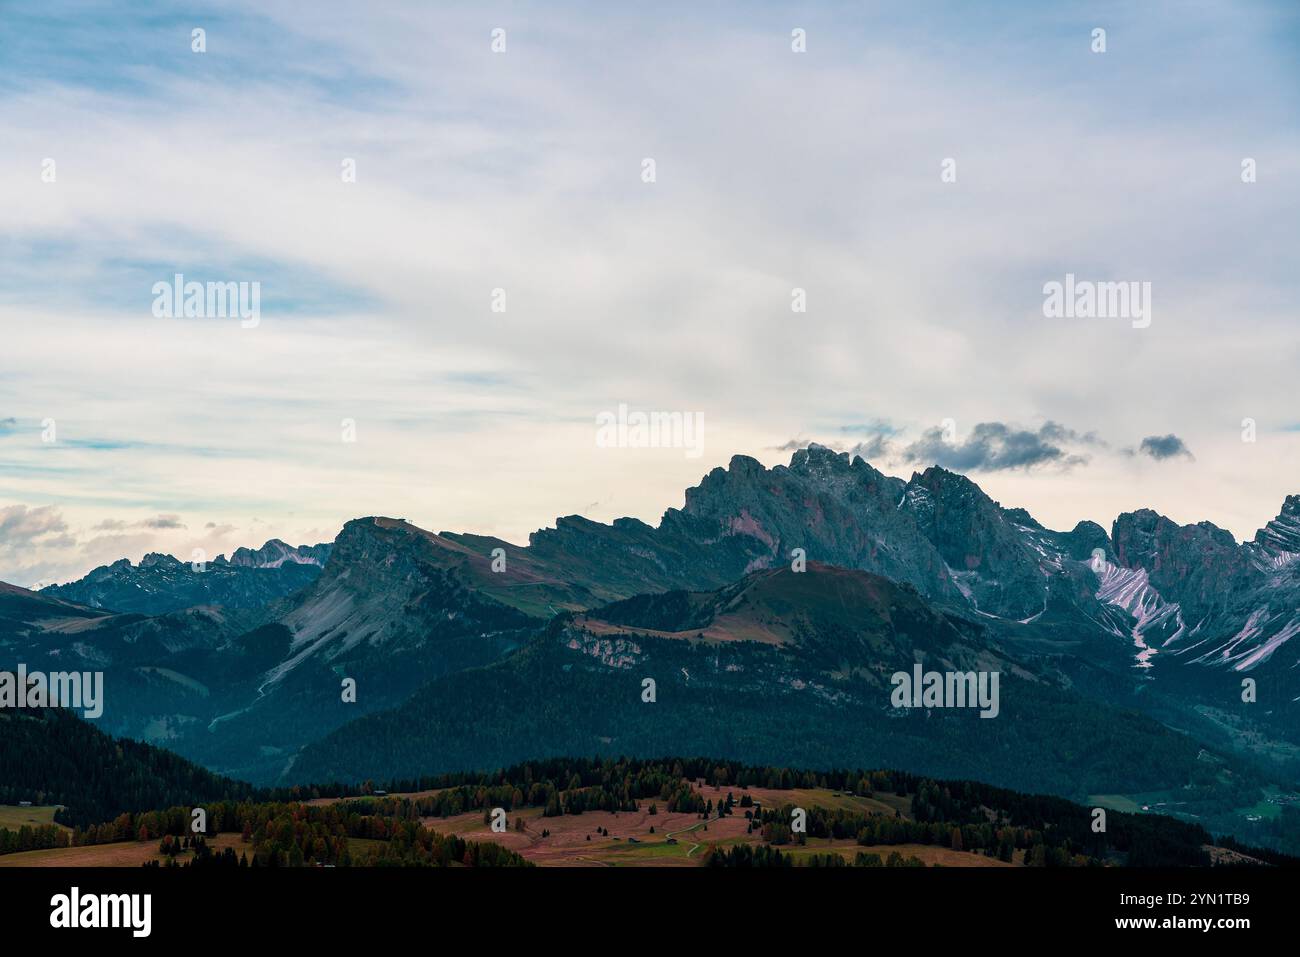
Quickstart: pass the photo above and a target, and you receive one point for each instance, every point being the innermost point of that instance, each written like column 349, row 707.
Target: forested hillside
column 50, row 756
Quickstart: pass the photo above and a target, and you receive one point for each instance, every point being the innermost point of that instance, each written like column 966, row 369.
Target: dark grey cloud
column 873, row 449
column 1162, row 447
column 997, row 446
column 991, row 446
column 1055, row 432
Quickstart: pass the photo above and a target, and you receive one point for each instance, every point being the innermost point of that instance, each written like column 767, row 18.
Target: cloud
column 20, row 525
column 870, row 427
column 793, row 445
column 157, row 523
column 876, row 447
column 878, row 441
column 162, row 521
column 1055, row 432
column 676, row 293
column 996, row 446
column 990, row 447
column 32, row 540
column 1162, row 447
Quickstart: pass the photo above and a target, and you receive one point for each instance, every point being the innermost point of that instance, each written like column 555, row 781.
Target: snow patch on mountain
column 1130, row 590
column 1257, row 640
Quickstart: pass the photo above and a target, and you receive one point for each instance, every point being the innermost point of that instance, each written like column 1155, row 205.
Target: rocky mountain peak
column 1085, row 538
column 1280, row 538
column 1022, row 517
column 1199, row 566
column 816, row 459
column 276, row 552
column 993, row 565
column 161, row 584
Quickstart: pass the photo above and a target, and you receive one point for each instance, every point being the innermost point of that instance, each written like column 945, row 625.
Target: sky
column 439, row 334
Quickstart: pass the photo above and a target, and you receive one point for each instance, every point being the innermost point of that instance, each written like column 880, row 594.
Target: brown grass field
column 574, row 841
column 679, row 840
column 930, row 854
column 322, row 802
column 13, row 817
column 119, row 854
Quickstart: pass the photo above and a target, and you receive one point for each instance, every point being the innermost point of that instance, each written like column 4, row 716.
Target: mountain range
column 161, row 583
column 769, row 611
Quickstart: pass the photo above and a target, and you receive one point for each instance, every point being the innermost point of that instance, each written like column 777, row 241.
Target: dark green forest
column 51, row 756
column 544, row 701
column 1034, row 829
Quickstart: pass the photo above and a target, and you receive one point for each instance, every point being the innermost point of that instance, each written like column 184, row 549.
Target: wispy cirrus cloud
column 157, row 522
